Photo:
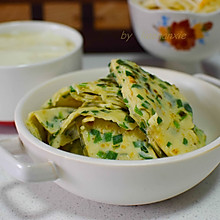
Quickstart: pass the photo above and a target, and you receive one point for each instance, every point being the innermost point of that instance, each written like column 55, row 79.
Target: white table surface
column 47, row 201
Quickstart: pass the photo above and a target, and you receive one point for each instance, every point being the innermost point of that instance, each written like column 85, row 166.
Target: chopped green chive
column 144, row 78
column 143, row 127
column 95, row 112
column 50, row 102
column 152, row 111
column 119, row 93
column 123, row 125
column 94, row 132
column 111, row 155
column 188, row 107
column 101, row 154
column 136, row 86
column 179, row 103
column 117, row 139
column 152, row 76
column 159, row 120
column 72, row 89
column 162, row 86
column 97, row 134
column 185, row 141
column 145, row 104
column 176, row 123
column 101, row 85
column 84, row 112
column 107, row 136
column 157, row 98
column 138, row 111
column 129, row 119
column 169, row 144
column 138, row 144
column 145, row 156
column 140, row 97
column 144, row 149
column 129, row 74
column 125, row 100
column 111, row 75
column 49, row 124
column 83, row 84
column 104, row 110
column 98, row 138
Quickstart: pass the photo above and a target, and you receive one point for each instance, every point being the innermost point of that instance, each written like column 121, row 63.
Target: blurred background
column 103, row 22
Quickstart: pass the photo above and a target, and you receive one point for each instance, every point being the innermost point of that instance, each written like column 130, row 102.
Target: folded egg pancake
column 68, row 131
column 103, row 93
column 159, row 108
column 46, row 122
column 106, row 140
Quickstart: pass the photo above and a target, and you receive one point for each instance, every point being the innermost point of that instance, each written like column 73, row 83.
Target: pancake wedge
column 159, row 108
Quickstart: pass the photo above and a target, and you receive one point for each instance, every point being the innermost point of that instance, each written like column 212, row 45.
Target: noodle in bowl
column 175, row 34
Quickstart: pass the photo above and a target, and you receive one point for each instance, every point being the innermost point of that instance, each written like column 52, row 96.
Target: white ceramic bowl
column 187, row 36
column 113, row 181
column 16, row 80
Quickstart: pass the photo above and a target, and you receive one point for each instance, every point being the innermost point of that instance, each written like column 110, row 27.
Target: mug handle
column 25, row 172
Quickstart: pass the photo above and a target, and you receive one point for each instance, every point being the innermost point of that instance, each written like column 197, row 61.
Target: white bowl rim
column 202, row 14
column 24, row 132
column 77, row 46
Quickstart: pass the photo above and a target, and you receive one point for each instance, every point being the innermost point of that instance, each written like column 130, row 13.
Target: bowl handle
column 11, row 150
column 208, row 78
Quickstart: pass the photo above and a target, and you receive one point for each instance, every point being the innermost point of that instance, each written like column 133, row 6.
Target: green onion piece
column 84, row 112
column 123, row 125
column 117, row 139
column 50, row 102
column 188, row 107
column 101, row 85
column 176, row 123
column 138, row 144
column 49, row 124
column 169, row 144
column 129, row 74
column 145, row 156
column 157, row 98
column 140, row 97
column 125, row 100
column 129, row 119
column 138, row 111
column 119, row 93
column 185, row 141
column 159, row 120
column 152, row 111
column 179, row 103
column 111, row 155
column 136, row 86
column 145, row 104
column 111, row 75
column 144, row 148
column 94, row 111
column 107, row 136
column 72, row 89
column 83, row 84
column 162, row 86
column 143, row 127
column 101, row 154
column 94, row 132
column 104, row 110
column 98, row 138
